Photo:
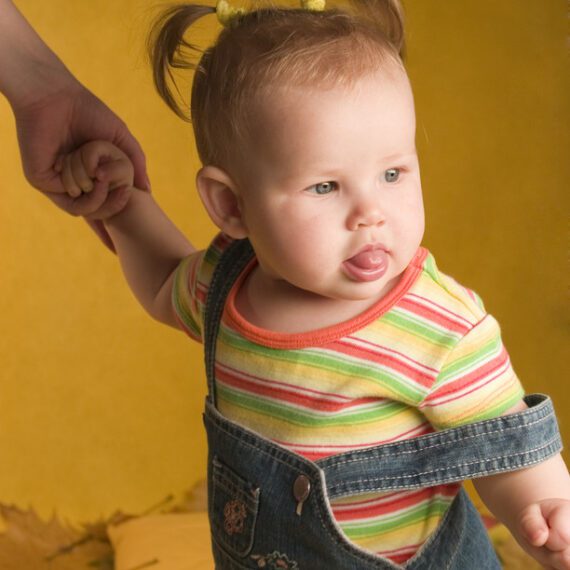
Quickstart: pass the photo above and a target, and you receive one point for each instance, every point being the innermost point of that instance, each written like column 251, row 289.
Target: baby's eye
column 392, row 174
column 323, row 187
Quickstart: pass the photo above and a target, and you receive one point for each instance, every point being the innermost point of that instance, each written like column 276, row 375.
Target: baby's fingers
column 533, row 525
column 557, row 515
column 82, row 178
column 116, row 173
column 67, row 179
column 74, row 176
column 100, row 204
column 115, row 202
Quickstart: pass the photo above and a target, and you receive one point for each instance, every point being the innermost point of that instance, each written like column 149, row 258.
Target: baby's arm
column 534, row 503
column 148, row 244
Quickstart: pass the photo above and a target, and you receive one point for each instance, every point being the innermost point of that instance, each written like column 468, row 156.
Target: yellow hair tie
column 227, row 13
column 314, row 5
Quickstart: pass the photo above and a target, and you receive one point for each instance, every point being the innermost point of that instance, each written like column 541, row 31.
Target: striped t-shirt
column 425, row 357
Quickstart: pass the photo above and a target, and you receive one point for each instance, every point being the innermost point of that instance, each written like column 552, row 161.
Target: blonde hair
column 265, row 48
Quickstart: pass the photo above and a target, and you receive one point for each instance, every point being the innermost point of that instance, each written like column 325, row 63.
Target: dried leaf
column 31, row 543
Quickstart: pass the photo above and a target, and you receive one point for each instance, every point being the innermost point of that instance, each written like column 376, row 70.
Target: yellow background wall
column 100, row 407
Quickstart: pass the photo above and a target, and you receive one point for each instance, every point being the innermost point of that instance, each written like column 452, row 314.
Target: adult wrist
column 30, row 71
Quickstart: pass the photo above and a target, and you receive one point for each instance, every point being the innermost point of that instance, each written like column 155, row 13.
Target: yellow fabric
column 163, row 542
column 226, row 13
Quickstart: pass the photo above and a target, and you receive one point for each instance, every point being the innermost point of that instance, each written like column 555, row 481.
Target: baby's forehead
column 279, row 98
column 310, row 114
column 309, row 128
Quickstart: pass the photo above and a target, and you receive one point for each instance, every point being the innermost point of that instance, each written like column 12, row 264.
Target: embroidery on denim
column 234, row 517
column 275, row 561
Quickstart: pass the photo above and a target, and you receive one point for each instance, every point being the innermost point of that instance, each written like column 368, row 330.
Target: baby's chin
column 361, row 291
column 365, row 292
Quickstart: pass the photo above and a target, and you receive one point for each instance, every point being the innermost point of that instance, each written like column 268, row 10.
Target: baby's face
column 332, row 196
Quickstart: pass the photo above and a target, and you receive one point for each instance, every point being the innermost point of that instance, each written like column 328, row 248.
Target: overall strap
column 497, row 445
column 232, row 262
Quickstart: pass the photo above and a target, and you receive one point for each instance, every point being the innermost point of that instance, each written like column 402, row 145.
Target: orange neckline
column 322, row 336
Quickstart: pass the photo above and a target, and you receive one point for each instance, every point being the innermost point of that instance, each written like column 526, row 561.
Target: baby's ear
column 221, row 199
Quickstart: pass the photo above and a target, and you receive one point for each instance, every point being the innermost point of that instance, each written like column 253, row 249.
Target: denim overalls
column 269, row 507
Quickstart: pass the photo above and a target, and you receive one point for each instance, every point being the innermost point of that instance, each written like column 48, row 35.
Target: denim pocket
column 234, row 504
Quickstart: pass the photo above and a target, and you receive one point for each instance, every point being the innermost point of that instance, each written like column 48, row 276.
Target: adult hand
column 54, row 115
column 59, row 123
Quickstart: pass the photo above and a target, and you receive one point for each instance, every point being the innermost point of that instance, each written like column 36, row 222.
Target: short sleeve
column 187, row 296
column 476, row 381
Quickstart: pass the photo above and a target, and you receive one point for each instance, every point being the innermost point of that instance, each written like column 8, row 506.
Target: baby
column 352, row 384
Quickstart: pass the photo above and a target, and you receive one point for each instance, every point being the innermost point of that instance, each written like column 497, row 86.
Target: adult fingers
column 84, row 204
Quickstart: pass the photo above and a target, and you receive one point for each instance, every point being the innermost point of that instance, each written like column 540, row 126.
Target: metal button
column 301, row 490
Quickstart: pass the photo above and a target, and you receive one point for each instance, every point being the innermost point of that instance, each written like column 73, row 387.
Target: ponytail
column 166, row 46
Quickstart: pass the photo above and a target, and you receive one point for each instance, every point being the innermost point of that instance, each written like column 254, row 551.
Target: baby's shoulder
column 439, row 289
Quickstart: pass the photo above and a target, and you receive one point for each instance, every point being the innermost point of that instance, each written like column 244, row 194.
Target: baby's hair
column 265, row 48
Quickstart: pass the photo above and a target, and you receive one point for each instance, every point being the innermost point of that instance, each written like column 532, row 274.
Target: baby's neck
column 279, row 307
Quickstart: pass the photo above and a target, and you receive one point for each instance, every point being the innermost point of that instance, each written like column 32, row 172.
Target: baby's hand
column 545, row 526
column 101, row 170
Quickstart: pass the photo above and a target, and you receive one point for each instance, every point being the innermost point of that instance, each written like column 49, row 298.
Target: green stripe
column 499, row 408
column 430, row 268
column 482, row 353
column 411, row 325
column 306, row 418
column 363, row 530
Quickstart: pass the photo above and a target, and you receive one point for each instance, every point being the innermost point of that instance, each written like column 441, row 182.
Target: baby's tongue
column 369, row 259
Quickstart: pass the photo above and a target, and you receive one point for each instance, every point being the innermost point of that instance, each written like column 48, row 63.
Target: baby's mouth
column 369, row 264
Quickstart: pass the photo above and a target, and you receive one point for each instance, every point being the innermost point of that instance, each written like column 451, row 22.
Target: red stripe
column 407, row 550
column 233, row 372
column 283, row 395
column 490, row 369
column 444, row 310
column 385, row 360
column 356, row 511
column 401, row 558
column 404, row 357
column 441, row 319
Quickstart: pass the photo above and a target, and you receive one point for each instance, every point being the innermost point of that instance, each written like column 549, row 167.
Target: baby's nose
column 366, row 211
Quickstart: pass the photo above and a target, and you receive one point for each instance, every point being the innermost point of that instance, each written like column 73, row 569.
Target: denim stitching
column 442, row 444
column 451, row 478
column 227, row 556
